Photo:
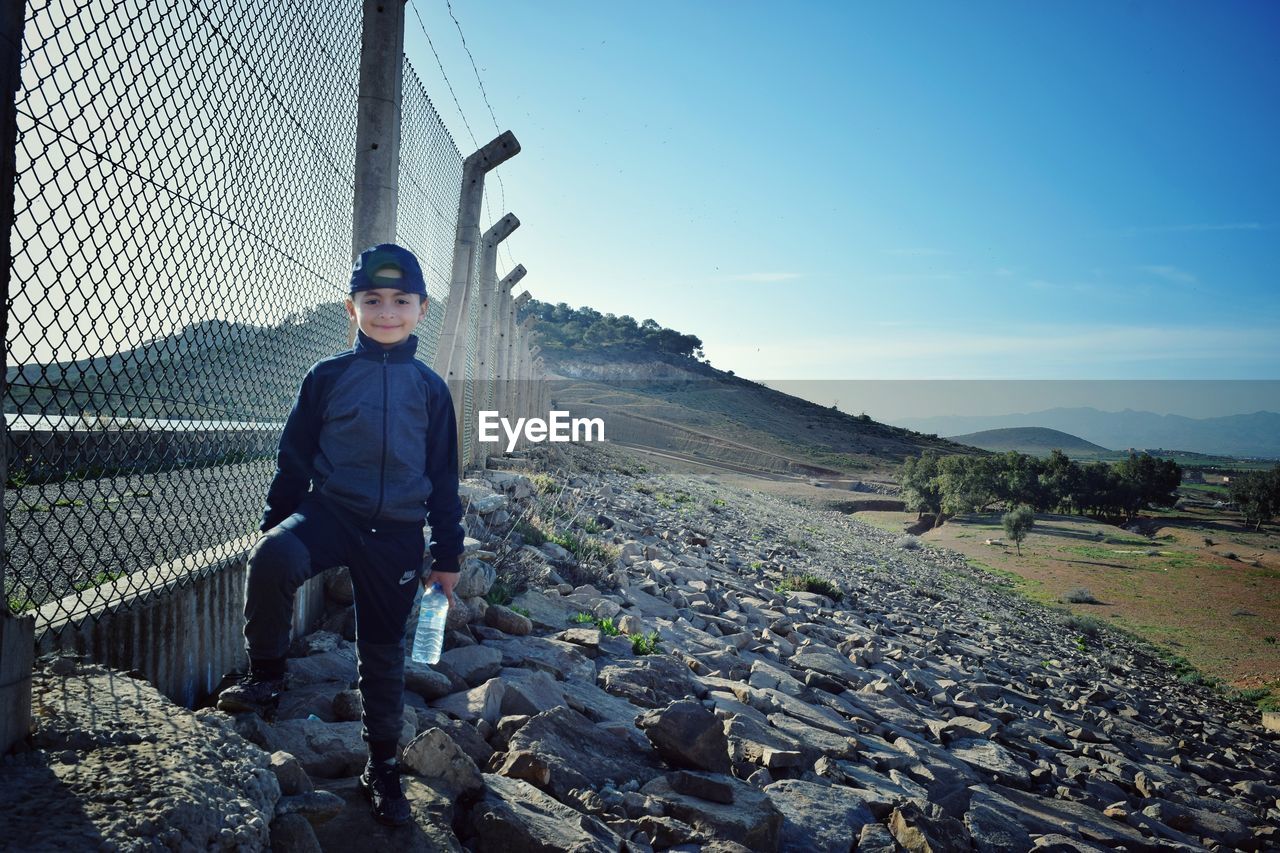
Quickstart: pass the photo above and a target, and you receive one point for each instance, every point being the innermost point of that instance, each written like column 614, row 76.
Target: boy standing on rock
column 368, row 452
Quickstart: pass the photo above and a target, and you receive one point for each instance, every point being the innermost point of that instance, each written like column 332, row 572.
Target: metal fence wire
column 180, row 251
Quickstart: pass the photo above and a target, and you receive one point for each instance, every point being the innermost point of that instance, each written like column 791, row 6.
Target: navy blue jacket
column 373, row 433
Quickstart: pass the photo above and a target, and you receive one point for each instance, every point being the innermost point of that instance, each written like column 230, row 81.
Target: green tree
column 969, row 483
column 1146, row 480
column 920, row 488
column 1060, row 481
column 1017, row 522
column 1257, row 495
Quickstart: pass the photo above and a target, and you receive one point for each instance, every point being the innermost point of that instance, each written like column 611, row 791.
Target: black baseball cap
column 388, row 265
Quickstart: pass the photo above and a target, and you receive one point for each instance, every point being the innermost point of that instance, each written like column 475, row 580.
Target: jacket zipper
column 382, row 473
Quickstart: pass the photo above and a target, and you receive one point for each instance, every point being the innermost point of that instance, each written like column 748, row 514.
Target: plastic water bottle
column 429, row 638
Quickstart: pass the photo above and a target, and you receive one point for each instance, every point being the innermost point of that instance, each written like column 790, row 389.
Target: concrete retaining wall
column 181, row 638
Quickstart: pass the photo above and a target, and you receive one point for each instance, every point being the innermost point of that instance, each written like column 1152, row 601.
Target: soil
column 1160, row 579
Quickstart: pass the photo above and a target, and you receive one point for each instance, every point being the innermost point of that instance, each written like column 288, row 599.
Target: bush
column 1089, row 626
column 908, row 543
column 810, row 583
column 645, row 644
column 1081, row 595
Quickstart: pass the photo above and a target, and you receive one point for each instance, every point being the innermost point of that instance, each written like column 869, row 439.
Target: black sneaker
column 255, row 693
column 381, row 784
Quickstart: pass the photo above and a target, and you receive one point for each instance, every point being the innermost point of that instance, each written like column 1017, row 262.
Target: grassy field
column 1196, row 584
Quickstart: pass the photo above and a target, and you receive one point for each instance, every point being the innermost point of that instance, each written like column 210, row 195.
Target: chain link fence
column 180, row 251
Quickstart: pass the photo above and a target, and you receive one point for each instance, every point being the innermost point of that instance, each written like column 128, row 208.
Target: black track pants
column 384, row 565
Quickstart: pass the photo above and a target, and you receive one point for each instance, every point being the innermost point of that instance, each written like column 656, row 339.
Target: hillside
column 650, row 384
column 1036, row 441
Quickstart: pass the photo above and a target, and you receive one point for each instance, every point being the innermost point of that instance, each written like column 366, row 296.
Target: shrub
column 1081, row 595
column 908, row 542
column 1088, row 626
column 530, row 533
column 810, row 583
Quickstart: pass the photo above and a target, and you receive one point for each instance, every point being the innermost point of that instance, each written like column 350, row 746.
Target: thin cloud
column 764, row 277
column 1168, row 272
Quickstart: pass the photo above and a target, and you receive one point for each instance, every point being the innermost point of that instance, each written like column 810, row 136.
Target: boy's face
column 387, row 315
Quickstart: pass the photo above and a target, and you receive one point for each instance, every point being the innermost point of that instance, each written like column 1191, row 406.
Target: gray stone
column 704, row 786
column 316, row 806
column 687, row 735
column 992, row 758
column 335, row 666
column 292, row 833
column 355, row 829
column 751, row 820
column 530, row 692
column 478, row 703
column 514, row 815
column 828, row 661
column 560, row 750
column 289, row 773
column 918, row 830
column 508, row 621
column 597, row 705
column 463, row 734
column 652, row 681
column 420, row 678
column 818, row 817
column 475, row 578
column 325, row 750
column 875, row 838
column 548, row 612
column 759, row 744
column 347, row 706
column 1039, row 815
column 565, row 661
column 435, row 757
column 473, row 664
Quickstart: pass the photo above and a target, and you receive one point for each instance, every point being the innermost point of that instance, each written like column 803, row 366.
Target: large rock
column 652, row 681
column 507, row 621
column 751, row 820
column 514, row 815
column 548, row 612
column 818, row 817
column 1039, row 815
column 435, row 757
column 823, row 659
column 530, row 691
column 478, row 703
column 420, row 678
column 354, row 829
column 475, row 578
column 687, row 735
column 565, row 661
column 473, row 664
column 931, row 831
column 325, row 750
column 993, row 758
column 117, row 764
column 560, row 750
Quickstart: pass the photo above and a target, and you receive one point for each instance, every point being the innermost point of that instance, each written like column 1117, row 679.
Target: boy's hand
column 447, row 580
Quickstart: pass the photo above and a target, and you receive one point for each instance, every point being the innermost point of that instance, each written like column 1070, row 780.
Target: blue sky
column 843, row 190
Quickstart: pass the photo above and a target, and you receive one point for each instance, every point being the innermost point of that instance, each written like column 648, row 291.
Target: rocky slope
column 928, row 709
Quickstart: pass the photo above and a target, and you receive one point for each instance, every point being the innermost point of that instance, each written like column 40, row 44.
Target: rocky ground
column 927, row 709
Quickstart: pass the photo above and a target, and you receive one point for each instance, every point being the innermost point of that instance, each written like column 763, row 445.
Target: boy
column 369, row 448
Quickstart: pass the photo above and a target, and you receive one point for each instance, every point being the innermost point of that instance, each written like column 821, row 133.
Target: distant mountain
column 1257, row 434
column 1037, row 441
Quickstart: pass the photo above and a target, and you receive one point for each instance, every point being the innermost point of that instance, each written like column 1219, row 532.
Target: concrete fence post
column 505, row 312
column 17, row 633
column 377, row 173
column 519, row 383
column 451, row 352
column 488, row 340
